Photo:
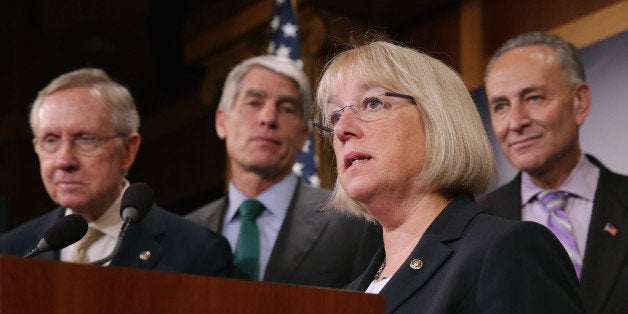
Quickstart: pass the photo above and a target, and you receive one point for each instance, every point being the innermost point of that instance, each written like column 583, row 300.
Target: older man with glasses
column 86, row 137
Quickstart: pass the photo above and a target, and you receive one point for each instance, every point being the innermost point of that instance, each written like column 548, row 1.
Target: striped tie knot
column 553, row 200
column 558, row 222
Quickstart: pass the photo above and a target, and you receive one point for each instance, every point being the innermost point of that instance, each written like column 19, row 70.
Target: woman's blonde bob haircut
column 459, row 157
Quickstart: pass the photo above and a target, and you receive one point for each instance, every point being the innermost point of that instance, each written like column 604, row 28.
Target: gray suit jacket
column 604, row 279
column 316, row 248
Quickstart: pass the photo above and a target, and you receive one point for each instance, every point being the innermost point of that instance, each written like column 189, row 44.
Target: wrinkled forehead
column 261, row 82
column 74, row 108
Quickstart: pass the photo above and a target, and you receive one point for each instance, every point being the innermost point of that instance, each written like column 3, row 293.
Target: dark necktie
column 246, row 258
column 558, row 222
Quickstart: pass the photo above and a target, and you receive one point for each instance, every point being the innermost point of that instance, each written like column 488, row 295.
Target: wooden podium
column 38, row 286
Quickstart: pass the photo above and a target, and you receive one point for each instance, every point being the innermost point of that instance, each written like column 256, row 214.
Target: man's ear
column 581, row 102
column 220, row 124
column 131, row 146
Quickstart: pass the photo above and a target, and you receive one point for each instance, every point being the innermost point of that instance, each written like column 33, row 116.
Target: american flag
column 285, row 42
column 610, row 229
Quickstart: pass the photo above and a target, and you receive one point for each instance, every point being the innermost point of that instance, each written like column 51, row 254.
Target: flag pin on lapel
column 610, row 229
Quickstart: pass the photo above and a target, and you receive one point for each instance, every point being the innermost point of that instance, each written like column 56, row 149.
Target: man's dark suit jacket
column 477, row 263
column 315, row 248
column 604, row 278
column 175, row 244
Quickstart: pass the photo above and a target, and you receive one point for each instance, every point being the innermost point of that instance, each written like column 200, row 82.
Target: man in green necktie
column 264, row 118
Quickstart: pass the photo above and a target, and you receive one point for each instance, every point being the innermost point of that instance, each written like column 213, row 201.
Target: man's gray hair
column 280, row 65
column 565, row 51
column 123, row 113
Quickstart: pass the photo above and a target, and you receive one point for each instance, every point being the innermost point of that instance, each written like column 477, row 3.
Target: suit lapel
column 365, row 279
column 52, row 218
column 139, row 240
column 509, row 200
column 432, row 251
column 408, row 280
column 210, row 215
column 216, row 215
column 605, row 254
column 301, row 228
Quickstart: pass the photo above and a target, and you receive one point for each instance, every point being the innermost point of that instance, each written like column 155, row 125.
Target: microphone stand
column 125, row 226
column 34, row 252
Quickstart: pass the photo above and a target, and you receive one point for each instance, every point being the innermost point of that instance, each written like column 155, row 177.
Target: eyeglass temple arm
column 322, row 127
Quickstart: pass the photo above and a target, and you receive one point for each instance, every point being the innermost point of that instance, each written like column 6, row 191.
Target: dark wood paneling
column 183, row 164
column 437, row 35
column 505, row 19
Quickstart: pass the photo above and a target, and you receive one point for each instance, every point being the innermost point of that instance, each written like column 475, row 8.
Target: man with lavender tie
column 538, row 99
column 559, row 223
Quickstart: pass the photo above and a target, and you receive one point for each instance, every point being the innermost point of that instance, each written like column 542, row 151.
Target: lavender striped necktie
column 558, row 223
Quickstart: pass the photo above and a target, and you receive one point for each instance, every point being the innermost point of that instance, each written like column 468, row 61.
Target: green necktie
column 246, row 259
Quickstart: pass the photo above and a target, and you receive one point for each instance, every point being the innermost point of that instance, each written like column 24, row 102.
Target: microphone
column 135, row 204
column 64, row 232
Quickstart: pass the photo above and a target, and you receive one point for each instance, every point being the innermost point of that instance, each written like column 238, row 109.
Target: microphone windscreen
column 138, row 195
column 66, row 231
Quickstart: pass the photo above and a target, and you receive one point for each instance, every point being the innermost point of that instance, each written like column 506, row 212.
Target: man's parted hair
column 566, row 52
column 459, row 157
column 124, row 117
column 277, row 64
